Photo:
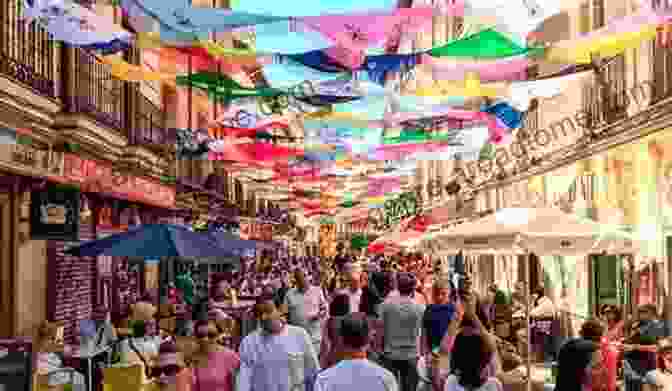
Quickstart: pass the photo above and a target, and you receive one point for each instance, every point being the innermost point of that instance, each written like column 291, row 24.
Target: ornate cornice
column 26, row 104
column 99, row 140
column 150, row 163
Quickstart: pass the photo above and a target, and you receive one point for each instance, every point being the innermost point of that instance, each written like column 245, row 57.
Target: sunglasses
column 168, row 370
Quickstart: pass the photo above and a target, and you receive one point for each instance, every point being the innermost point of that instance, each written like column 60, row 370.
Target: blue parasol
column 153, row 240
column 233, row 243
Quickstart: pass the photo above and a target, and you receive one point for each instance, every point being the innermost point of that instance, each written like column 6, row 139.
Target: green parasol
column 418, row 136
column 359, row 242
column 486, row 44
column 224, row 88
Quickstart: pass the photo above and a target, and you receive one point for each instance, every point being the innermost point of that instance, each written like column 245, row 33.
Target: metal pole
column 528, row 363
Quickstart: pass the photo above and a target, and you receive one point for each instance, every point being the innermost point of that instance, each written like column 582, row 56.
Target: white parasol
column 547, row 231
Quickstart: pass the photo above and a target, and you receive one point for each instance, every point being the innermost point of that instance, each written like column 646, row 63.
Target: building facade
column 67, row 125
column 599, row 150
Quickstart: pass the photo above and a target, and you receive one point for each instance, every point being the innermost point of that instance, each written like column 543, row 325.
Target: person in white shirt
column 355, row 370
column 306, row 306
column 276, row 356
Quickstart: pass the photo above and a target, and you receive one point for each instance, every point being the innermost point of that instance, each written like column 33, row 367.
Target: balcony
column 27, row 55
column 149, row 123
column 662, row 69
column 94, row 91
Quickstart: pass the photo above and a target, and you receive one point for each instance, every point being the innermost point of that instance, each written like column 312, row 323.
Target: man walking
column 355, row 369
column 306, row 306
column 402, row 322
column 276, row 356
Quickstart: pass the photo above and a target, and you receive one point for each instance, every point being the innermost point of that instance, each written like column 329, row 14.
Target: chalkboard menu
column 54, row 214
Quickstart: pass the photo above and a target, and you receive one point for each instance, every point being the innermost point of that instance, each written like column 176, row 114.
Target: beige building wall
column 628, row 200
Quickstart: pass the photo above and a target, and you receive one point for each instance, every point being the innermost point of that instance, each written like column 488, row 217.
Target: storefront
column 626, row 189
column 24, row 166
column 50, row 200
column 110, row 201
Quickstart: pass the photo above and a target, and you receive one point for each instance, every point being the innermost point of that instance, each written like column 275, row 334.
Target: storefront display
column 54, row 213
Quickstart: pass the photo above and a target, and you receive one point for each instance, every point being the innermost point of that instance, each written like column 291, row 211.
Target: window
column 29, row 55
column 531, row 120
column 598, row 16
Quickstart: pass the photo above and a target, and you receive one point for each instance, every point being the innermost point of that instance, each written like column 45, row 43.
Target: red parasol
column 253, row 153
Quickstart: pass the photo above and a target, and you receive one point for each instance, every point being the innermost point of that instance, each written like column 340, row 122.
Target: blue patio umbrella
column 233, row 243
column 151, row 241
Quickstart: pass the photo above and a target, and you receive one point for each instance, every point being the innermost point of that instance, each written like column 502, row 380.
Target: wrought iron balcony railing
column 149, row 125
column 27, row 54
column 96, row 92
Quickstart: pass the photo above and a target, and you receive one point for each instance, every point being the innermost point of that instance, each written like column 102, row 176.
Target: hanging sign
column 395, row 210
column 95, row 176
column 25, row 157
column 54, row 214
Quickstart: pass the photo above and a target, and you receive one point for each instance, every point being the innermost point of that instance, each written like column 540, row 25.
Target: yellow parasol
column 580, row 52
column 122, row 70
column 472, row 87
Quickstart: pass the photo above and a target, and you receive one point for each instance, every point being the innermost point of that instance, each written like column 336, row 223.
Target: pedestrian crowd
column 377, row 325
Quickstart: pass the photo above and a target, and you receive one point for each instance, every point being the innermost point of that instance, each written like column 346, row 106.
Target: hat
column 352, row 267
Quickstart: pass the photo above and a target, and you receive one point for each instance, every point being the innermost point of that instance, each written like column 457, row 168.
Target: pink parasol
column 220, row 132
column 360, row 31
column 506, row 69
column 252, row 153
column 409, row 229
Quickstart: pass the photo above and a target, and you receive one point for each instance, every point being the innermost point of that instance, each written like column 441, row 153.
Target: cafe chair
column 125, row 378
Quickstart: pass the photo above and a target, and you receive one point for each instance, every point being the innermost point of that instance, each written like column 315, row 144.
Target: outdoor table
column 89, row 356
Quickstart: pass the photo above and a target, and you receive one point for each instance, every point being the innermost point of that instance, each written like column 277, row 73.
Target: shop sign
column 395, row 210
column 256, row 231
column 54, row 214
column 94, row 176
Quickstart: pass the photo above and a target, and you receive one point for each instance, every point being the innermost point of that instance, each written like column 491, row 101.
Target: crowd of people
column 384, row 324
